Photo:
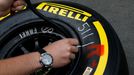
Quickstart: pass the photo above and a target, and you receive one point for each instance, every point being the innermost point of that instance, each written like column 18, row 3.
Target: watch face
column 47, row 59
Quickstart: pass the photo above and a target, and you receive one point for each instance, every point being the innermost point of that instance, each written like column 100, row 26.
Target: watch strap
column 44, row 67
column 41, row 51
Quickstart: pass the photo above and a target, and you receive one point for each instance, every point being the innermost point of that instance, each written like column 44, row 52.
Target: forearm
column 21, row 65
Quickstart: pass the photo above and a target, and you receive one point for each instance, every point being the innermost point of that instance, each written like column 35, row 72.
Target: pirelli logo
column 65, row 11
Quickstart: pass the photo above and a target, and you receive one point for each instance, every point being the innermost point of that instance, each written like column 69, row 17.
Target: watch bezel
column 41, row 60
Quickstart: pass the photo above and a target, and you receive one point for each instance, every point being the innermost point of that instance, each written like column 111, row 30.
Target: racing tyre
column 100, row 51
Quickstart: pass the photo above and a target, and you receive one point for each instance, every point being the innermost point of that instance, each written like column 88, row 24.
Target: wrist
column 46, row 59
column 36, row 58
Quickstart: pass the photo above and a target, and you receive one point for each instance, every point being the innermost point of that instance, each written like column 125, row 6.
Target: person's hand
column 63, row 51
column 7, row 6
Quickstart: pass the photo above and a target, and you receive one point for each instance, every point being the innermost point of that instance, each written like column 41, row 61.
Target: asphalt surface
column 120, row 14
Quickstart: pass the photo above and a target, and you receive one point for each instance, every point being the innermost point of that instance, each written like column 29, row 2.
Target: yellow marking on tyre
column 65, row 11
column 70, row 8
column 104, row 41
column 1, row 18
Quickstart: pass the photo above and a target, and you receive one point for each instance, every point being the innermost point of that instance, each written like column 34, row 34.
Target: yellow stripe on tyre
column 104, row 41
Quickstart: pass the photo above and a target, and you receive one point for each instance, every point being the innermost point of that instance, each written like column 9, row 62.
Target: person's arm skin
column 62, row 51
column 21, row 65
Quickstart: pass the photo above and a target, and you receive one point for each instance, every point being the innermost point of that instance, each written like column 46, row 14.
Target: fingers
column 18, row 5
column 4, row 13
column 18, row 8
column 73, row 41
column 74, row 49
column 72, row 56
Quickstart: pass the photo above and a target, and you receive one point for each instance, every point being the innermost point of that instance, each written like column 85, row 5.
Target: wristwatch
column 46, row 59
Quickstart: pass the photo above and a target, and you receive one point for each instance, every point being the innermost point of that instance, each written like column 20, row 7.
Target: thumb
column 18, row 5
column 4, row 13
